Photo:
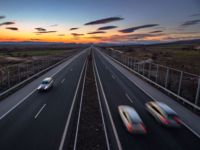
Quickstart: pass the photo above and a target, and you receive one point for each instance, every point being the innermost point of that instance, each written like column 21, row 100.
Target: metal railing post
column 134, row 65
column 1, row 77
column 143, row 68
column 8, row 77
column 19, row 74
column 180, row 83
column 138, row 68
column 156, row 73
column 131, row 63
column 149, row 73
column 166, row 77
column 197, row 93
column 27, row 75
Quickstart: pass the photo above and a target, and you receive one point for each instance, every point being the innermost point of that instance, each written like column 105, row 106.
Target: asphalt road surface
column 120, row 91
column 47, row 121
column 39, row 122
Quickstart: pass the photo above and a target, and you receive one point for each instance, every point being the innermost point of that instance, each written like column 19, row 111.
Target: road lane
column 158, row 137
column 20, row 130
column 12, row 101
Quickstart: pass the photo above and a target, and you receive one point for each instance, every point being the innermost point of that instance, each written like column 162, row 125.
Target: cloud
column 53, row 25
column 76, row 34
column 7, row 23
column 190, row 23
column 12, row 28
column 107, row 27
column 35, row 39
column 127, row 38
column 61, row 34
column 95, row 37
column 96, row 32
column 71, row 29
column 157, row 31
column 44, row 32
column 103, row 21
column 195, row 15
column 40, row 29
column 2, row 17
column 130, row 30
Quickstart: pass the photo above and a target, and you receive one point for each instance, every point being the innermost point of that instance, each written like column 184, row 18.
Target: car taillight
column 143, row 127
column 130, row 127
column 177, row 120
column 164, row 120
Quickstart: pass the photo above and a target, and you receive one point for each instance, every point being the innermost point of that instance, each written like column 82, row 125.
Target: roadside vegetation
column 184, row 57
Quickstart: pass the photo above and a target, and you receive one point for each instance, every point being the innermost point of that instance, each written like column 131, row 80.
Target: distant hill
column 182, row 42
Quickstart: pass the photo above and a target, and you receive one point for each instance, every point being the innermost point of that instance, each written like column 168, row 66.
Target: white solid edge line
column 39, row 111
column 80, row 109
column 147, row 93
column 70, row 113
column 128, row 97
column 17, row 104
column 109, row 113
column 100, row 106
column 71, row 59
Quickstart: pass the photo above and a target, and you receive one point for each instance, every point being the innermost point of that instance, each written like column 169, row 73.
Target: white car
column 163, row 114
column 46, row 84
column 131, row 119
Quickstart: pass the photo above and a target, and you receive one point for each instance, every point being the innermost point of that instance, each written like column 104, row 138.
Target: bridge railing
column 183, row 85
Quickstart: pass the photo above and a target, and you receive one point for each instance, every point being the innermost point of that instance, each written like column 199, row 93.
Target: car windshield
column 45, row 82
column 134, row 118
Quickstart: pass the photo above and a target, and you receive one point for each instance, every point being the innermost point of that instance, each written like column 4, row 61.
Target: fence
column 183, row 85
column 14, row 74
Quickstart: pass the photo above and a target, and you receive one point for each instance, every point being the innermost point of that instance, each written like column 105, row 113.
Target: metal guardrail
column 183, row 85
column 16, row 76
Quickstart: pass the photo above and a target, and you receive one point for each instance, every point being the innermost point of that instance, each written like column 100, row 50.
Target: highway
column 40, row 121
column 119, row 90
column 30, row 120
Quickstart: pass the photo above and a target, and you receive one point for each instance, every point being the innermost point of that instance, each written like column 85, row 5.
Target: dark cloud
column 12, row 28
column 157, row 31
column 126, row 38
column 2, row 17
column 190, row 23
column 53, row 25
column 96, row 32
column 44, row 32
column 35, row 39
column 77, row 34
column 107, row 27
column 195, row 15
column 103, row 21
column 95, row 37
column 7, row 23
column 130, row 30
column 71, row 29
column 61, row 34
column 40, row 29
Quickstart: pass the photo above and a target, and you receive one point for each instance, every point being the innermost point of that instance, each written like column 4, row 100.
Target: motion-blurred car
column 131, row 119
column 46, row 84
column 163, row 114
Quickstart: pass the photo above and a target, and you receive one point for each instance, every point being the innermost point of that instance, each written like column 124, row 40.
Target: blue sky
column 169, row 14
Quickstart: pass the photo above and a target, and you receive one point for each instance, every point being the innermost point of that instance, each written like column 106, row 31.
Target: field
column 185, row 57
column 15, row 55
column 18, row 64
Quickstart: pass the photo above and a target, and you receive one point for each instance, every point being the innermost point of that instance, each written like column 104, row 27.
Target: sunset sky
column 82, row 21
